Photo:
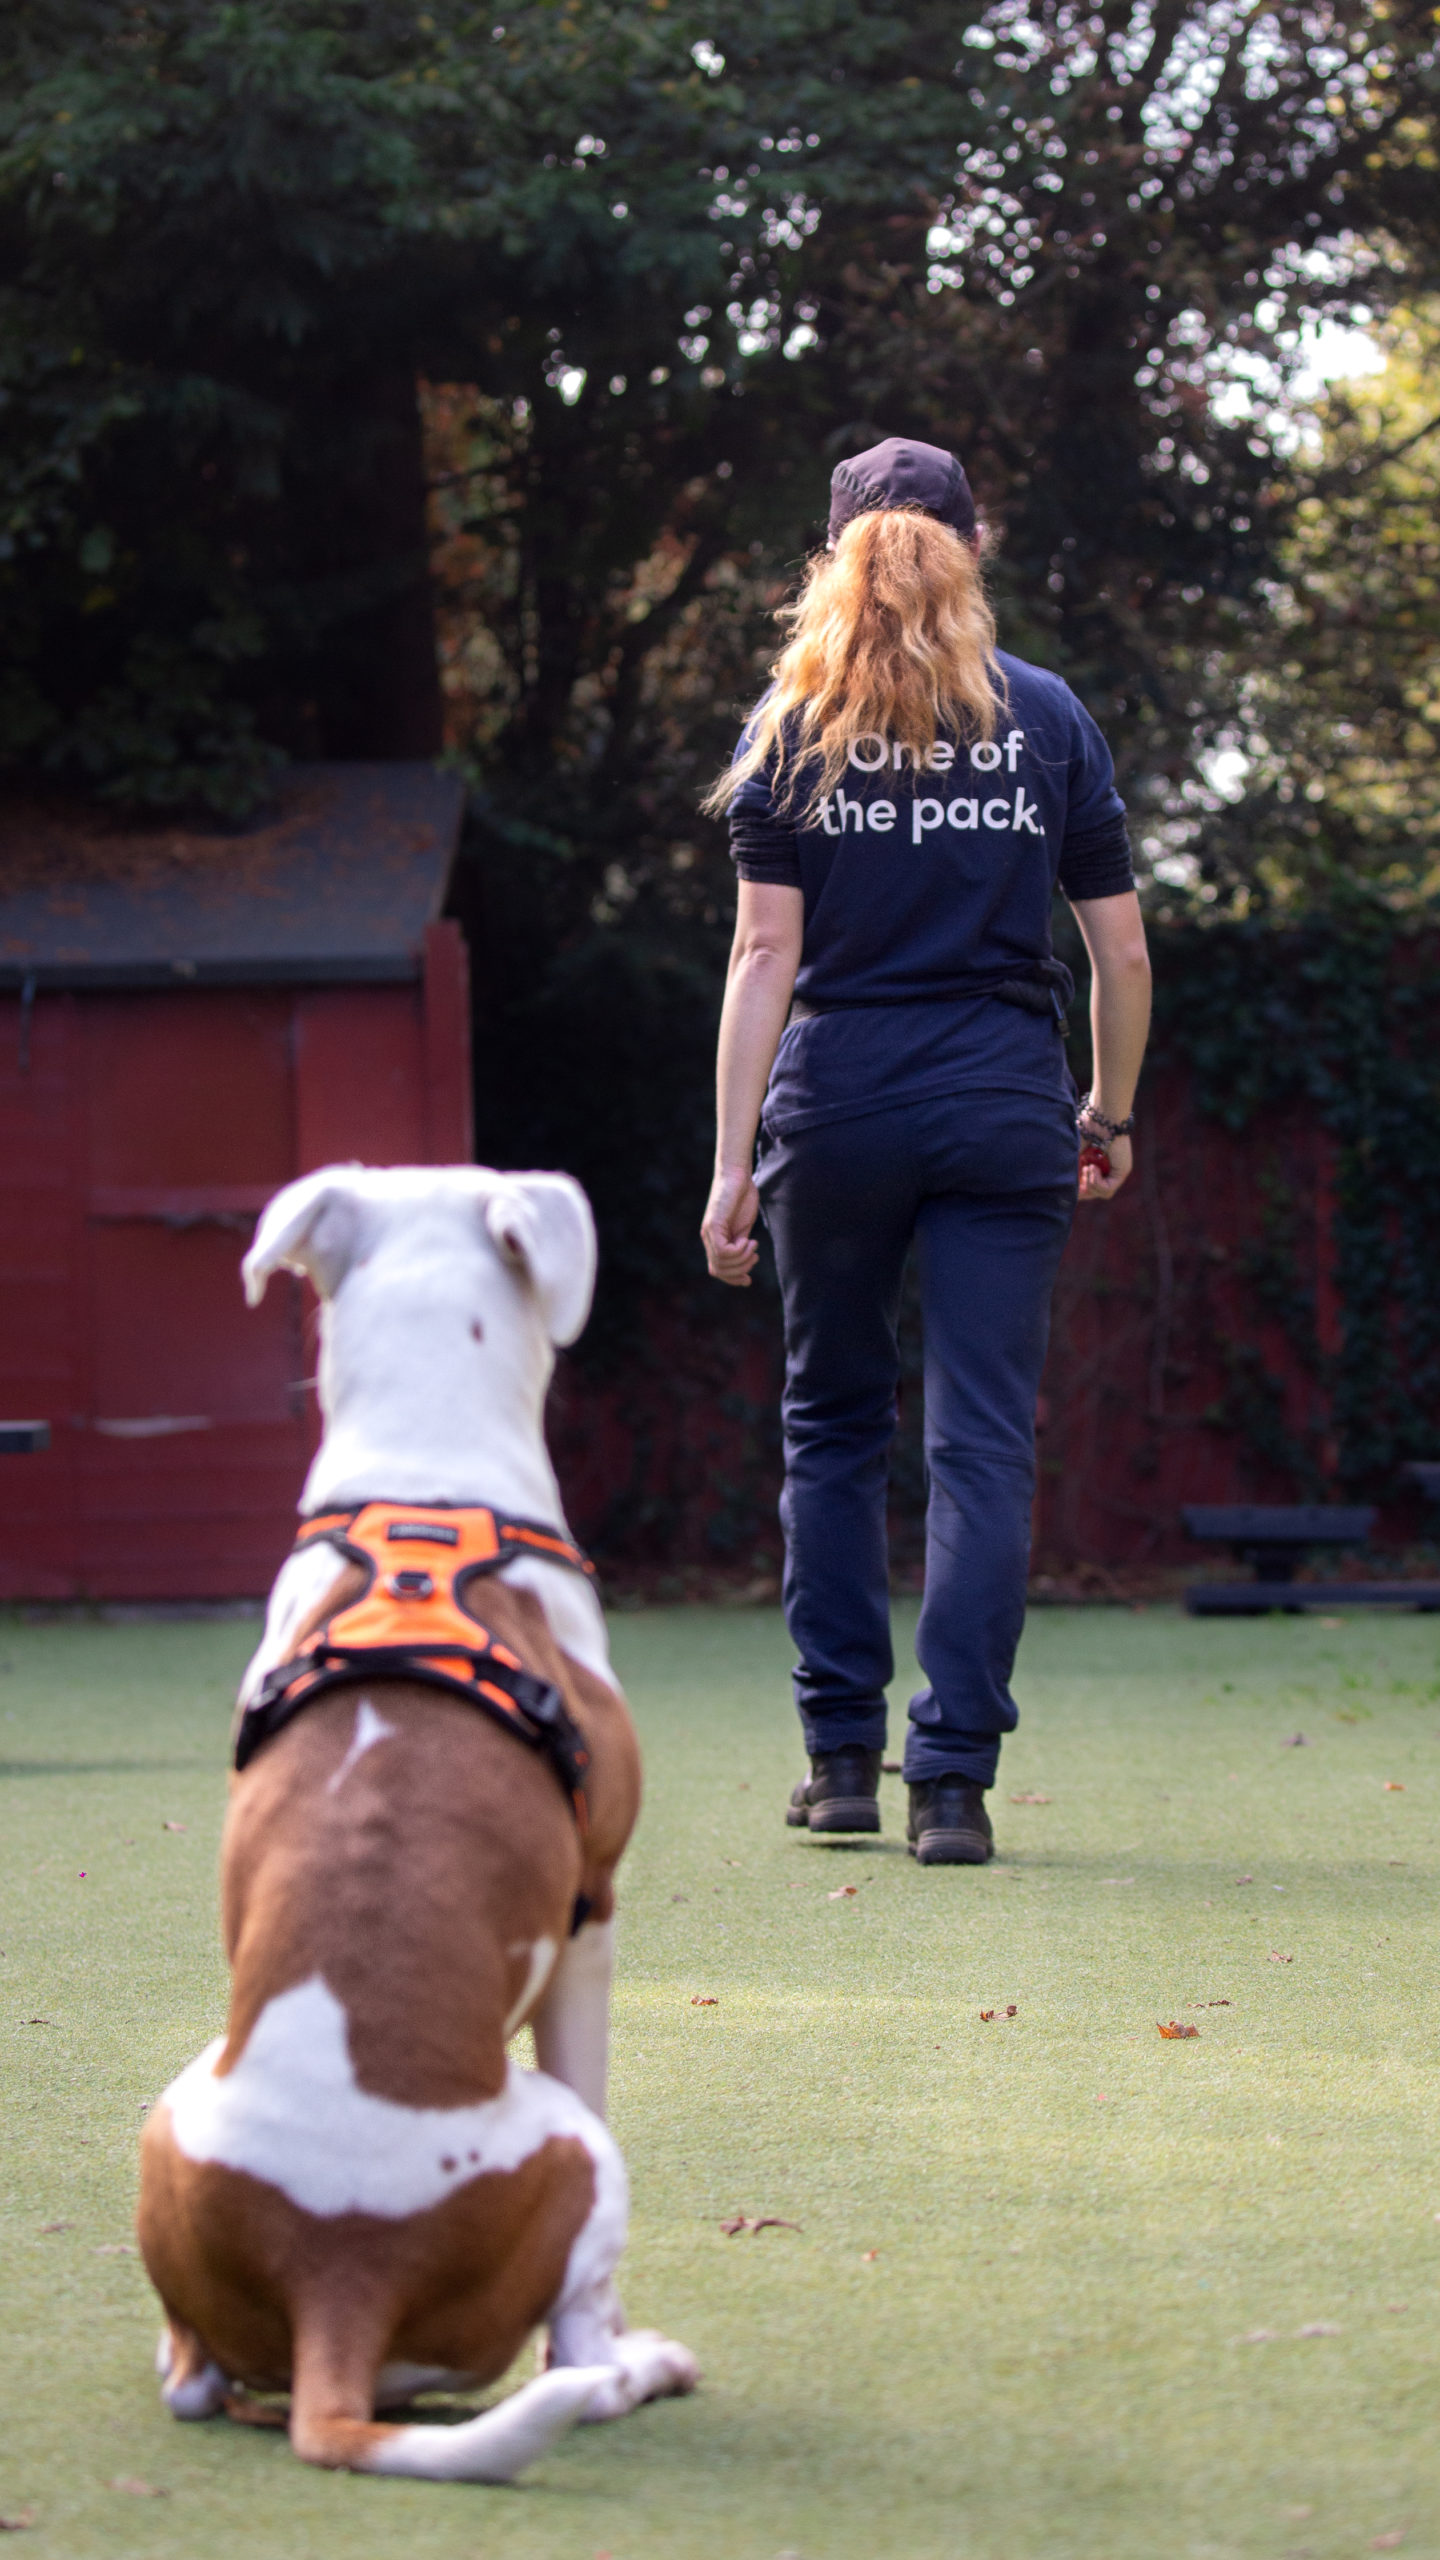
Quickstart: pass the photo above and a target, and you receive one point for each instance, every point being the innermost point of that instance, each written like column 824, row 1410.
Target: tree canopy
column 575, row 303
column 685, row 257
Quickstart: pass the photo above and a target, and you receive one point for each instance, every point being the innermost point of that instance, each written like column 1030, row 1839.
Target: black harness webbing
column 410, row 1623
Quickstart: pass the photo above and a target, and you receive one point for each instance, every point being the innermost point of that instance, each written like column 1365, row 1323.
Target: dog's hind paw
column 196, row 2395
column 191, row 2383
column 647, row 2367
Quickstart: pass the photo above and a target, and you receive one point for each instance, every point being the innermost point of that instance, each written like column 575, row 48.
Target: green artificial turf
column 1054, row 2275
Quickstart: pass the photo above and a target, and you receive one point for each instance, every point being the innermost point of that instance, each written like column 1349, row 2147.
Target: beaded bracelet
column 1086, row 1111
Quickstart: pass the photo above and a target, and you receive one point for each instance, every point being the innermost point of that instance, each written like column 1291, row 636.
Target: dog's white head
column 444, row 1291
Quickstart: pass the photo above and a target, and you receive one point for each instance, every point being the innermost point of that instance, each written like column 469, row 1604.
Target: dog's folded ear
column 311, row 1226
column 543, row 1227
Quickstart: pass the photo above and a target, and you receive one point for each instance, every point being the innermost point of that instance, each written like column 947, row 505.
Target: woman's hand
column 1095, row 1185
column 1114, row 933
column 769, row 934
column 730, row 1214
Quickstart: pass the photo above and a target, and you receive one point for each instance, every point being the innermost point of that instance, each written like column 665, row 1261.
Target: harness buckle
column 412, row 1584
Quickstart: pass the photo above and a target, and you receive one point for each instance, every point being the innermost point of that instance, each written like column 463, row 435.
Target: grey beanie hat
column 901, row 473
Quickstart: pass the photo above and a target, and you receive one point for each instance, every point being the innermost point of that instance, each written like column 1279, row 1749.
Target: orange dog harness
column 411, row 1622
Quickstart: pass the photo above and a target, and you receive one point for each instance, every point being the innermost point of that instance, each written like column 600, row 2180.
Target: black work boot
column 948, row 1825
column 842, row 1792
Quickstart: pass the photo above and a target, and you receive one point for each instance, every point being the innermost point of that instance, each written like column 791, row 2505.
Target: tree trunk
column 380, row 694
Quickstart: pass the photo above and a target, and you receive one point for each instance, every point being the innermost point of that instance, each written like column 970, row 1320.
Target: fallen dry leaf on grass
column 57, row 2226
column 843, row 1893
column 868, row 2257
column 1244, row 1879
column 1176, row 2029
column 1031, row 1797
column 1277, row 1958
column 737, row 2222
column 987, row 2013
column 136, row 2488
column 1389, row 2541
column 1393, row 1787
column 704, row 2000
column 1014, row 2009
column 1294, row 1742
column 1259, row 2337
column 116, row 2249
column 174, row 1826
column 1319, row 2329
column 892, row 1768
column 20, row 2522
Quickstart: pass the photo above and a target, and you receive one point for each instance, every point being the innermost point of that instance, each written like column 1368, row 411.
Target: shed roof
column 337, row 880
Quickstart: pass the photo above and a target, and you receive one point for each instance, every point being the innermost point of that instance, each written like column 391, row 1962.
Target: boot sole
column 951, row 1849
column 842, row 1813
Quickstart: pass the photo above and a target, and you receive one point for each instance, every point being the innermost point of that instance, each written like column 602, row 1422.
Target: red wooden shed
column 188, row 1019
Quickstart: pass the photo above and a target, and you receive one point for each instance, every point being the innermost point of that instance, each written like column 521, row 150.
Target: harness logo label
column 434, row 1533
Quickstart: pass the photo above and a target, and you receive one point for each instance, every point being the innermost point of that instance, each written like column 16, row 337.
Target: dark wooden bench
column 18, row 1439
column 1274, row 1539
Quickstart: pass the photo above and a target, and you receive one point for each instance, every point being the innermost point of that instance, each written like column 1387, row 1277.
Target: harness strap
column 495, row 1682
column 411, row 1623
column 511, row 1537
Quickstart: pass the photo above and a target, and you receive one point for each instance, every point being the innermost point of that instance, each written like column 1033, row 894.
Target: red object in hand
column 1097, row 1157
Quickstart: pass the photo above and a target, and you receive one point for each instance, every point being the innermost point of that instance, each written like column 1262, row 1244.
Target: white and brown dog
column 354, row 2193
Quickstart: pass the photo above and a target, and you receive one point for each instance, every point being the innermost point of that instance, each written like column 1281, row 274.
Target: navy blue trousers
column 984, row 1184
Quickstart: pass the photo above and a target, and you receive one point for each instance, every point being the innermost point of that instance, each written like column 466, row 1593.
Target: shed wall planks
column 140, row 1135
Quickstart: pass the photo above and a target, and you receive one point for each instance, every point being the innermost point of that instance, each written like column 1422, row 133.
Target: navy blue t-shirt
column 925, row 890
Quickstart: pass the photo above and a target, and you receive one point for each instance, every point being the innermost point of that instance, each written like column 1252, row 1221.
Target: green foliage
column 1035, row 232
column 1336, row 724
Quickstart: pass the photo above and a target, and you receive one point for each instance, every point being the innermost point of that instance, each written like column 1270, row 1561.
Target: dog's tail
column 331, row 2422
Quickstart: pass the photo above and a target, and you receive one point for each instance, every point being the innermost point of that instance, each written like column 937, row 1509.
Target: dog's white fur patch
column 297, row 1593
column 370, row 1728
column 572, row 2023
column 542, row 1958
column 293, row 2114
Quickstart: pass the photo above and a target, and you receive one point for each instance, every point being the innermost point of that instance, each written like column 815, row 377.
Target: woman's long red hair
column 892, row 636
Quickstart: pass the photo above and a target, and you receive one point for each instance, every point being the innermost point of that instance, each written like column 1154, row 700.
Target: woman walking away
column 902, row 804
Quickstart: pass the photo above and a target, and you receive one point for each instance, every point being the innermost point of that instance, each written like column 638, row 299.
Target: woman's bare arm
column 1114, row 934
column 765, row 954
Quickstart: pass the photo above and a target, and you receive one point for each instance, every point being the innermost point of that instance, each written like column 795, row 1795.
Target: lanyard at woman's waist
column 1047, row 990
